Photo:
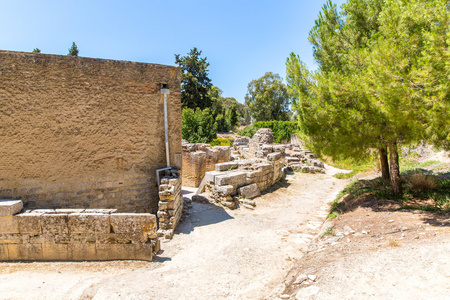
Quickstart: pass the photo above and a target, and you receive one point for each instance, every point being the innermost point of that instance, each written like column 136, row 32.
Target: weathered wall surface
column 83, row 132
column 75, row 234
column 199, row 159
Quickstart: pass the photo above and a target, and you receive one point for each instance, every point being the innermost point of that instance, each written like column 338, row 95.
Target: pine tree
column 73, row 51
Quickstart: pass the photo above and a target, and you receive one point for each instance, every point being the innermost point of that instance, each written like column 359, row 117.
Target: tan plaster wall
column 84, row 132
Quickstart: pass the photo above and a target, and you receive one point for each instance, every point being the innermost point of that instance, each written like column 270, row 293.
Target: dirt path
column 216, row 254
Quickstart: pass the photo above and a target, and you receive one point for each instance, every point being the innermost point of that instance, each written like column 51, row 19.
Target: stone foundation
column 75, row 234
column 199, row 159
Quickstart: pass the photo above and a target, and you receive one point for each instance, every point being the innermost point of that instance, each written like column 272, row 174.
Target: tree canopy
column 73, row 50
column 195, row 83
column 268, row 98
column 378, row 84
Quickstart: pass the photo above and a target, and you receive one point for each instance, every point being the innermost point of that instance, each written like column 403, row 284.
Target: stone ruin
column 255, row 165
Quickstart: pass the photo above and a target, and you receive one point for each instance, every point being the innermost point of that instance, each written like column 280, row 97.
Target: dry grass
column 421, row 182
column 393, row 243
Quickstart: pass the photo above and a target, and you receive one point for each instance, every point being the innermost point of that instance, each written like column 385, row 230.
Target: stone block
column 121, row 251
column 55, row 251
column 249, row 191
column 210, row 177
column 133, row 223
column 265, row 167
column 29, row 223
column 10, row 207
column 274, row 156
column 226, row 166
column 267, row 148
column 88, row 223
column 225, row 190
column 122, row 238
column 11, row 238
column 25, row 251
column 79, row 252
column 69, row 210
column 145, row 251
column 279, row 148
column 54, row 224
column 99, row 211
column 236, row 179
column 4, row 252
column 9, row 224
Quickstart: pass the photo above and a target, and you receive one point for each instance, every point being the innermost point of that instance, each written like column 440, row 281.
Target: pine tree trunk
column 396, row 182
column 384, row 164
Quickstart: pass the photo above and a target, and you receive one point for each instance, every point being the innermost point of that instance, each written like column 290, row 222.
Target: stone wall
column 235, row 182
column 199, row 159
column 85, row 133
column 75, row 234
column 170, row 206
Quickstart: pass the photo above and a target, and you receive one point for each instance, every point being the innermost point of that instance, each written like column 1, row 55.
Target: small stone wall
column 199, row 159
column 170, row 206
column 75, row 234
column 233, row 183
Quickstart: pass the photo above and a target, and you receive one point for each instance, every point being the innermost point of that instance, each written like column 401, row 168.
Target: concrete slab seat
column 75, row 234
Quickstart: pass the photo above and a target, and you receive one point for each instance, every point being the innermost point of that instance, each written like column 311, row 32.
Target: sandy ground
column 216, row 254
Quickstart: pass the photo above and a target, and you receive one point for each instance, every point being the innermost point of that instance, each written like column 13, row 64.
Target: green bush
column 221, row 142
column 198, row 126
column 282, row 130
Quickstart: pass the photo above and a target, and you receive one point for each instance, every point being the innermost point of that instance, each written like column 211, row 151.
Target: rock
column 249, row 191
column 248, row 202
column 307, row 293
column 348, row 230
column 312, row 277
column 200, row 199
column 300, row 279
column 248, row 206
column 229, row 204
column 285, row 296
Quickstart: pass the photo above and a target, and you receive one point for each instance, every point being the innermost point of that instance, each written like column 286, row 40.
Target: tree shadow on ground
column 202, row 214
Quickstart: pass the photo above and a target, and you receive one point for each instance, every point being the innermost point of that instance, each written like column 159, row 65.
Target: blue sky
column 241, row 39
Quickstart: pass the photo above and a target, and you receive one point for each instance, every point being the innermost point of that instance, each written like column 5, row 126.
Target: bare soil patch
column 376, row 250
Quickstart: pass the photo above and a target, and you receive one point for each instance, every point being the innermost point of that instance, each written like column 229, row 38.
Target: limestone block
column 54, row 223
column 25, row 251
column 249, row 191
column 265, row 167
column 51, row 251
column 267, row 148
column 88, row 223
column 98, row 211
column 121, row 238
column 4, row 252
column 227, row 166
column 29, row 223
column 69, row 210
column 145, row 251
column 236, row 179
column 274, row 156
column 11, row 238
column 9, row 224
column 279, row 148
column 122, row 252
column 133, row 223
column 210, row 177
column 80, row 252
column 10, row 207
column 225, row 190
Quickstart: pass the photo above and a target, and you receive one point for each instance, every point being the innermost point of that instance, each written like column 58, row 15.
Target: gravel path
column 216, row 254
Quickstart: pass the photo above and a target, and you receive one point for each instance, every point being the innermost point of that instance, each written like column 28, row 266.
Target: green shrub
column 249, row 131
column 198, row 126
column 221, row 142
column 282, row 130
